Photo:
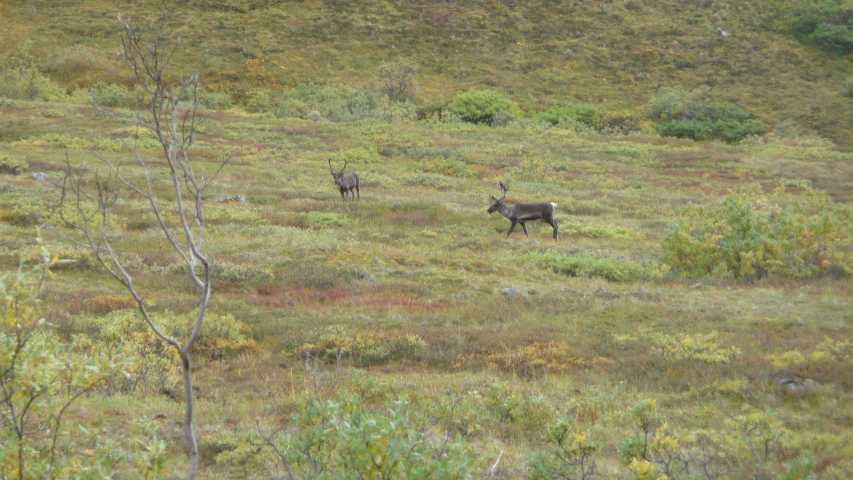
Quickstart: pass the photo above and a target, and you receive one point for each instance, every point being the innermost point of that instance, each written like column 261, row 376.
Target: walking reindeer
column 346, row 183
column 523, row 212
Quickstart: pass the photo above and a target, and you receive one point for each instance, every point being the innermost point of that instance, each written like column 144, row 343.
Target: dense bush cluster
column 359, row 430
column 803, row 236
column 12, row 165
column 723, row 122
column 20, row 79
column 579, row 112
column 591, row 266
column 42, row 374
column 689, row 115
column 825, row 23
column 483, row 106
column 333, row 103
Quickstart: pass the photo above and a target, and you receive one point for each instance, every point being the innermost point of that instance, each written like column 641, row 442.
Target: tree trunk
column 188, row 415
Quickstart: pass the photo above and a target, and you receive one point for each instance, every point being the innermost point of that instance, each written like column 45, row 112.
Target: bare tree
column 87, row 202
column 397, row 80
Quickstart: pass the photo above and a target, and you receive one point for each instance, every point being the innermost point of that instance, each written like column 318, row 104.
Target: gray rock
column 39, row 176
column 510, row 291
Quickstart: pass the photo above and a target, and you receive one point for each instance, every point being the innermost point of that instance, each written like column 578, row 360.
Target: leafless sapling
column 87, row 203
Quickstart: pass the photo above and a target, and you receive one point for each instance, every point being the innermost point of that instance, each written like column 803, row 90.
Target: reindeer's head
column 498, row 201
column 337, row 175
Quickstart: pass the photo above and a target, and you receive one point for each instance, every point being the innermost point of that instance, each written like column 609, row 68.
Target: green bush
column 591, row 266
column 398, row 80
column 688, row 114
column 363, row 348
column 571, row 455
column 112, row 95
column 714, row 121
column 334, row 103
column 352, row 156
column 436, row 181
column 215, row 101
column 320, row 220
column 583, row 113
column 482, row 106
column 12, row 165
column 358, row 430
column 450, row 168
column 847, row 88
column 20, row 79
column 42, row 375
column 728, row 131
column 806, row 236
column 825, row 23
column 675, row 102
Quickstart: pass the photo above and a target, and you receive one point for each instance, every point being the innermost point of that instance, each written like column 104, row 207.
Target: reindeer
column 346, row 182
column 523, row 212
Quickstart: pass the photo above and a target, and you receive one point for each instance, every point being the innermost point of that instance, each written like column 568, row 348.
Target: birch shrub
column 801, row 236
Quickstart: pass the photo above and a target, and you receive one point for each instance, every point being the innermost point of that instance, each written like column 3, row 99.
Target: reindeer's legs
column 511, row 228
column 342, row 195
column 357, row 192
column 553, row 223
column 525, row 229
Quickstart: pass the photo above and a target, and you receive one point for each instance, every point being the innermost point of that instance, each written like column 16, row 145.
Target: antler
column 504, row 188
column 345, row 166
column 330, row 166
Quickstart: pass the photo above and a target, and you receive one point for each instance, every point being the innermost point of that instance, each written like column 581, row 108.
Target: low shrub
column 450, row 168
column 540, row 358
column 215, row 101
column 827, row 24
column 12, row 165
column 670, row 103
column 334, row 103
column 621, row 123
column 320, row 220
column 432, row 180
column 674, row 348
column 112, row 95
column 20, row 79
column 580, row 112
column 722, row 122
column 586, row 265
column 571, row 454
column 802, row 236
column 847, row 88
column 398, row 80
column 155, row 367
column 363, row 348
column 353, row 157
column 358, row 431
column 483, row 106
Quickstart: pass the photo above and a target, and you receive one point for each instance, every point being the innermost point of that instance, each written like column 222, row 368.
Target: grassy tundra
column 692, row 320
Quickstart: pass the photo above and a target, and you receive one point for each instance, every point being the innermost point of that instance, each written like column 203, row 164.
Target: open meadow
column 417, row 288
column 693, row 320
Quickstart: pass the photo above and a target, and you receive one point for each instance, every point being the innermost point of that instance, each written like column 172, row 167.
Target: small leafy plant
column 482, row 106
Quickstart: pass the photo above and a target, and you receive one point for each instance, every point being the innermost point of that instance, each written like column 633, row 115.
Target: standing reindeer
column 523, row 212
column 346, row 182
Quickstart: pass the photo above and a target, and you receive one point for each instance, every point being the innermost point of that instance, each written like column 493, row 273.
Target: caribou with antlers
column 346, row 182
column 523, row 212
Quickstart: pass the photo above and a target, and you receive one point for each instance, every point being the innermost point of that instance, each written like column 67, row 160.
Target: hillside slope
column 610, row 53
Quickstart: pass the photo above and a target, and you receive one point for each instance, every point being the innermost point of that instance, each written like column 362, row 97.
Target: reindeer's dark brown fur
column 346, row 183
column 523, row 212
